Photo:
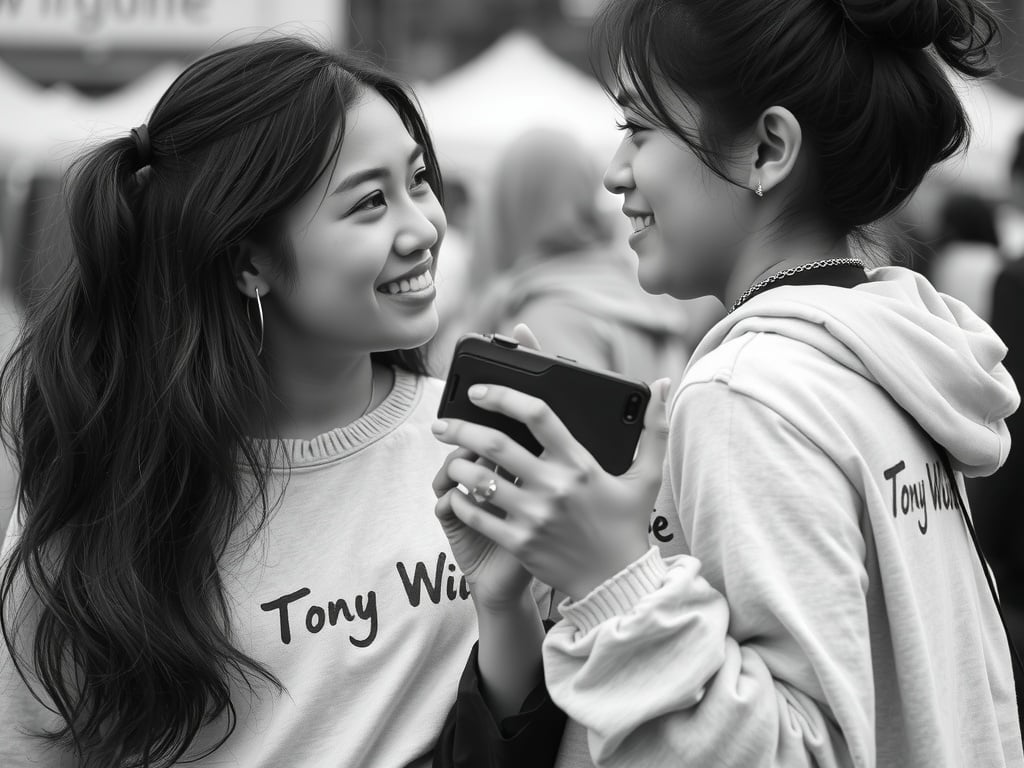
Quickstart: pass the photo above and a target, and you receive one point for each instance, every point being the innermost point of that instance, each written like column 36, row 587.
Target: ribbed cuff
column 618, row 594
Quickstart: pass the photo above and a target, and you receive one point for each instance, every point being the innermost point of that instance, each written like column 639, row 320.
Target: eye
column 628, row 125
column 370, row 202
column 419, row 179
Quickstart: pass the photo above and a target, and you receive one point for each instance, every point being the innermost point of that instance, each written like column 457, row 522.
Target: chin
column 651, row 281
column 421, row 335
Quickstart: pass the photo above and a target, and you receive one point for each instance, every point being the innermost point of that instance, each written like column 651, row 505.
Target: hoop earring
column 760, row 190
column 259, row 309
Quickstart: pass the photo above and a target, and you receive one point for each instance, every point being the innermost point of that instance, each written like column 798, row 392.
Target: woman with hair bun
column 806, row 591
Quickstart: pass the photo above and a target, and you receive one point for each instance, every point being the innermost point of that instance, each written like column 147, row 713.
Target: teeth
column 641, row 222
column 418, row 283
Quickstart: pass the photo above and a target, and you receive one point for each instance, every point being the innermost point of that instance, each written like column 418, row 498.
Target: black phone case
column 592, row 404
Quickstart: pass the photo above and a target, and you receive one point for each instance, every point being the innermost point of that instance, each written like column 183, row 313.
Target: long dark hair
column 863, row 78
column 130, row 399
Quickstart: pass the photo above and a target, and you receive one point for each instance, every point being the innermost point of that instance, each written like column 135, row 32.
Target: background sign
column 157, row 23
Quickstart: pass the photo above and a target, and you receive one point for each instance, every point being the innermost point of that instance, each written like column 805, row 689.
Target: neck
column 319, row 389
column 765, row 255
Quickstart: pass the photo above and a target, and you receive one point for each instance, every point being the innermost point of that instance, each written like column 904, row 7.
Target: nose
column 618, row 177
column 421, row 229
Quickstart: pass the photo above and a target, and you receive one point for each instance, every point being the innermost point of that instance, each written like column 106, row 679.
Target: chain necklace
column 773, row 278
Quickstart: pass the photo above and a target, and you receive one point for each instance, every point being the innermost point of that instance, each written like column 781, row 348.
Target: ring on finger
column 483, row 492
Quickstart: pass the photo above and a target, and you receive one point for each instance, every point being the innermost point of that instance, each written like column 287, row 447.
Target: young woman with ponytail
column 224, row 551
column 807, row 591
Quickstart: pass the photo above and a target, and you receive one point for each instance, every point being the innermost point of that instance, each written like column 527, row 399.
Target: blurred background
column 487, row 73
column 77, row 71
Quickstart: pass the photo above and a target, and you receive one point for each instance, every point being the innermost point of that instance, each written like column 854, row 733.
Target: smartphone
column 604, row 411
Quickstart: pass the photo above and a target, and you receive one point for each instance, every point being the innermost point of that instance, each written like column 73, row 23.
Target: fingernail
column 477, row 391
column 439, row 427
column 666, row 385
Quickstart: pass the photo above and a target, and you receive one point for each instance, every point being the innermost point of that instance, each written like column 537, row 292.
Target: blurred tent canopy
column 43, row 131
column 517, row 84
column 48, row 127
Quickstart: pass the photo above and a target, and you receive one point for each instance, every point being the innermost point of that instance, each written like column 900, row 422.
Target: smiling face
column 689, row 225
column 365, row 242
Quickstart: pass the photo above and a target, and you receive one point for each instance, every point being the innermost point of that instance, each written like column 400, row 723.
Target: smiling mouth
column 640, row 223
column 413, row 285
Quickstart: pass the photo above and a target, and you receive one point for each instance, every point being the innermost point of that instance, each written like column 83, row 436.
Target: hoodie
column 813, row 597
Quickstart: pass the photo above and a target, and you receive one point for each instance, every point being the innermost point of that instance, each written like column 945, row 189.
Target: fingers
column 487, row 443
column 483, row 522
column 650, row 454
column 442, row 483
column 487, row 487
column 525, row 337
column 537, row 415
column 443, row 507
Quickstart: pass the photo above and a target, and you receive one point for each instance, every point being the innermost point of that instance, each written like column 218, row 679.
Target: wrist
column 620, row 594
column 585, row 583
column 518, row 606
column 508, row 607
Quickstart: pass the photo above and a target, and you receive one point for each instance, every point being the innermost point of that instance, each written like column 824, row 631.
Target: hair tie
column 140, row 134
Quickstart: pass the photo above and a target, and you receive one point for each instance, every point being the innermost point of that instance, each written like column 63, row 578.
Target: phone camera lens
column 632, row 411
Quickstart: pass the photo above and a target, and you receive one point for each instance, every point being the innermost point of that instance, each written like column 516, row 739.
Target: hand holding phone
column 603, row 410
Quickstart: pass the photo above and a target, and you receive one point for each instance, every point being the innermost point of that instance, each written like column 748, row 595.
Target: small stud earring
column 760, row 190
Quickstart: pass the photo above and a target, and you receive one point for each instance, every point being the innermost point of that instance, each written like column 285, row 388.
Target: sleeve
column 22, row 715
column 471, row 737
column 751, row 650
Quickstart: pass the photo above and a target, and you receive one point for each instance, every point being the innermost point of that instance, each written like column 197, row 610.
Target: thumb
column 524, row 336
column 650, row 454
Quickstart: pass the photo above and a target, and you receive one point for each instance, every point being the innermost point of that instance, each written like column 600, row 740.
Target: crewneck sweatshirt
column 812, row 597
column 349, row 595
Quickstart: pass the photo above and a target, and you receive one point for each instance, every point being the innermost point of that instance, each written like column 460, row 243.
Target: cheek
column 331, row 267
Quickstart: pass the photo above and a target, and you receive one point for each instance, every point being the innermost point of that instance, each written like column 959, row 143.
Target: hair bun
column 904, row 23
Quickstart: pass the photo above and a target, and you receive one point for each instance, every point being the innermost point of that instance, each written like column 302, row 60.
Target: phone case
column 604, row 411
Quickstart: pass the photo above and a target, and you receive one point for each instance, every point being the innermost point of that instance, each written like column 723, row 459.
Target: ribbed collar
column 364, row 431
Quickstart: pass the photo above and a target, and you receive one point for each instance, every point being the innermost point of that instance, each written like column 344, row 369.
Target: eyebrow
column 372, row 173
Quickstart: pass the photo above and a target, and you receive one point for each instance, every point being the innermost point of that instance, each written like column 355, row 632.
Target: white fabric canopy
column 48, row 127
column 515, row 85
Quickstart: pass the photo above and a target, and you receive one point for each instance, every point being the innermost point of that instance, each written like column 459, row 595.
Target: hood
column 935, row 357
column 599, row 282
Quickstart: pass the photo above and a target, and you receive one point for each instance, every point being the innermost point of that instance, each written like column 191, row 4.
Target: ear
column 251, row 268
column 779, row 138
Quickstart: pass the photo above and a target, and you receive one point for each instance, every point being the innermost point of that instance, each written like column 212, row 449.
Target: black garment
column 997, row 501
column 472, row 739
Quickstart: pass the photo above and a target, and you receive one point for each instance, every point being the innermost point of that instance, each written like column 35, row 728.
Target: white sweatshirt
column 350, row 596
column 814, row 598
